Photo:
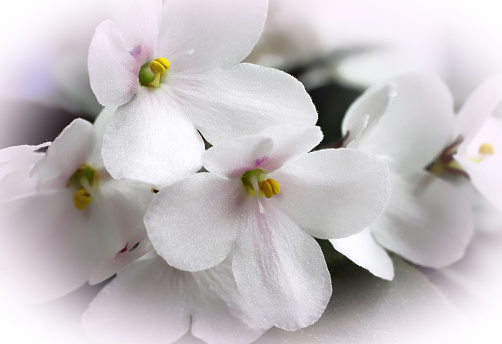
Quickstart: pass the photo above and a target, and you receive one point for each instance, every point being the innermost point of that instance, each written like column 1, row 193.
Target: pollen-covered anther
column 486, row 149
column 159, row 67
column 269, row 187
column 81, row 199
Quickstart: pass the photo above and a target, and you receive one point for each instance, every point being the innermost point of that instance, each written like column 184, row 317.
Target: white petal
column 47, row 252
column 416, row 125
column 282, row 270
column 144, row 304
column 141, row 30
column 66, row 154
column 482, row 103
column 362, row 249
column 235, row 157
column 243, row 100
column 100, row 125
column 220, row 32
column 220, row 313
column 426, row 221
column 365, row 113
column 192, row 224
column 333, row 194
column 485, row 172
column 149, row 140
column 113, row 68
column 268, row 150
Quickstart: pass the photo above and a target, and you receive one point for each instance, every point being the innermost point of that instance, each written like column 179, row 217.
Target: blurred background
column 336, row 48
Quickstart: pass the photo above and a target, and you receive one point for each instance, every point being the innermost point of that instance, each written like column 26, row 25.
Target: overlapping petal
column 362, row 249
column 193, row 223
column 221, row 33
column 151, row 302
column 149, row 140
column 426, row 221
column 215, row 101
column 281, row 269
column 233, row 158
column 65, row 155
column 113, row 68
column 416, row 125
column 333, row 193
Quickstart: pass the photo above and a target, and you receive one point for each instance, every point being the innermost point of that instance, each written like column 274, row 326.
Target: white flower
column 408, row 122
column 66, row 220
column 152, row 302
column 479, row 127
column 196, row 223
column 174, row 70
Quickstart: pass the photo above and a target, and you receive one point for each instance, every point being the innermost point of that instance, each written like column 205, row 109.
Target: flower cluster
column 223, row 242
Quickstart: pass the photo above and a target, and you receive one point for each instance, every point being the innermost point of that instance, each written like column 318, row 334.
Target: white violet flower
column 407, row 122
column 66, row 220
column 173, row 70
column 260, row 205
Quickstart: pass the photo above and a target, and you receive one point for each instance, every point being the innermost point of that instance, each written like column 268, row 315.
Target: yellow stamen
column 81, row 199
column 159, row 67
column 269, row 187
column 486, row 149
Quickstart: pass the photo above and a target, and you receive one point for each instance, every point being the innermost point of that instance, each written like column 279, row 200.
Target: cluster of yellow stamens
column 150, row 74
column 81, row 199
column 269, row 187
column 83, row 180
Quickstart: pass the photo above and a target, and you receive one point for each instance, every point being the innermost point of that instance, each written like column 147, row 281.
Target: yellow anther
column 164, row 62
column 157, row 67
column 269, row 187
column 486, row 149
column 81, row 199
column 275, row 186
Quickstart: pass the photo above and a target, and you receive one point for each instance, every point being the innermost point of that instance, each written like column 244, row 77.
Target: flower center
column 256, row 182
column 445, row 162
column 84, row 179
column 150, row 73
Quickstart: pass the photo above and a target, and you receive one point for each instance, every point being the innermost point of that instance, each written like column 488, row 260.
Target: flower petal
column 144, row 304
column 151, row 302
column 47, row 250
column 281, row 269
column 66, row 154
column 416, row 126
column 426, row 221
column 484, row 171
column 220, row 32
column 362, row 249
column 192, row 224
column 268, row 150
column 333, row 194
column 141, row 30
column 113, row 68
column 149, row 140
column 482, row 103
column 233, row 158
column 214, row 101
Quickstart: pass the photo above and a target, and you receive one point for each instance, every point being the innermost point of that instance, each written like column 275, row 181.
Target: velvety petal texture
column 151, row 302
column 193, row 223
column 148, row 140
column 415, row 126
column 426, row 221
column 69, row 151
column 333, row 193
column 242, row 100
column 221, row 33
column 363, row 250
column 282, row 269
